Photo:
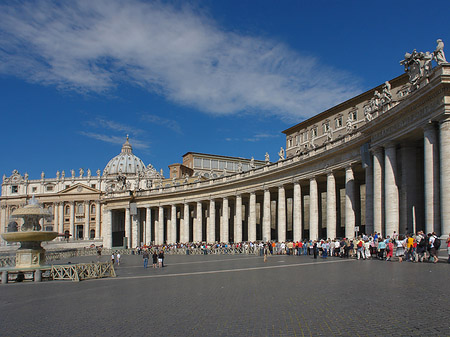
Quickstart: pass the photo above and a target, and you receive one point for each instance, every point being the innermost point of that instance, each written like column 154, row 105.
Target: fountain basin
column 29, row 236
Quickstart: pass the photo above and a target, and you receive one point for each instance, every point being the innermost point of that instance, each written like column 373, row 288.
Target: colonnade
column 400, row 190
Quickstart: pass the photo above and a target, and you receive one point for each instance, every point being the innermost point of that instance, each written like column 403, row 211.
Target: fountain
column 30, row 254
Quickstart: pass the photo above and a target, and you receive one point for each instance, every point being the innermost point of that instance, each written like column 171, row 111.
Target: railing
column 82, row 271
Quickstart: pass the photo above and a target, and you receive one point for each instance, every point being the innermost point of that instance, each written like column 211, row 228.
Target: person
column 381, row 248
column 421, row 246
column 155, row 259
column 113, row 258
column 118, row 259
column 400, row 251
column 448, row 248
column 160, row 258
column 389, row 250
column 433, row 251
column 265, row 253
column 315, row 249
column 145, row 256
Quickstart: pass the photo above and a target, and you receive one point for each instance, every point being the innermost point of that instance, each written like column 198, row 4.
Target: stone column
column 173, row 224
column 297, row 212
column 128, row 226
column 87, row 216
column 238, row 220
column 313, row 209
column 198, row 223
column 331, row 206
column 369, row 200
column 431, row 178
column 378, row 190
column 136, row 231
column 184, row 230
column 350, row 201
column 55, row 216
column 159, row 235
column 97, row 219
column 225, row 221
column 3, row 222
column 266, row 216
column 107, row 227
column 281, row 214
column 148, row 225
column 252, row 217
column 391, row 190
column 72, row 219
column 61, row 218
column 211, row 231
column 444, row 136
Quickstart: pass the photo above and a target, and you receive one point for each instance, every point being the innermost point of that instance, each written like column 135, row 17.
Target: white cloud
column 138, row 144
column 112, row 125
column 168, row 123
column 91, row 46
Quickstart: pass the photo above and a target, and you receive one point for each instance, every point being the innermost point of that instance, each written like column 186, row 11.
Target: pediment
column 79, row 189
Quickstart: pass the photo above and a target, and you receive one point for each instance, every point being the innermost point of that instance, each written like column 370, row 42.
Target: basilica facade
column 379, row 162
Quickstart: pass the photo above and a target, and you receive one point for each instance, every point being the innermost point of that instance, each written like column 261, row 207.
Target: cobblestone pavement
column 237, row 296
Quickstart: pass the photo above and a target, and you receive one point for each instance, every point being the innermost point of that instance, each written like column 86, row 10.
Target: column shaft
column 444, row 136
column 252, row 218
column 211, row 231
column 331, row 206
column 378, row 190
column 266, row 216
column 98, row 213
column 184, row 232
column 173, row 224
column 297, row 210
column 350, row 201
column 369, row 200
column 148, row 225
column 160, row 232
column 107, row 227
column 431, row 178
column 238, row 220
column 128, row 227
column 313, row 210
column 391, row 190
column 225, row 221
column 72, row 219
column 86, row 220
column 61, row 218
column 281, row 214
column 198, row 223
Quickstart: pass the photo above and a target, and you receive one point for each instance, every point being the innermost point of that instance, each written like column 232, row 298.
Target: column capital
column 376, row 151
column 390, row 144
column 444, row 119
column 430, row 126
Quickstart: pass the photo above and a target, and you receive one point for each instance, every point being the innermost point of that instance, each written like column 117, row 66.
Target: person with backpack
column 435, row 244
column 421, row 246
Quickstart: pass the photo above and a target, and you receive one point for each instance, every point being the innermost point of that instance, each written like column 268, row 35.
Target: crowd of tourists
column 415, row 248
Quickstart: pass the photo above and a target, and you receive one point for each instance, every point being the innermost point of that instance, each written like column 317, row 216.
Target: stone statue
column 98, row 172
column 161, row 173
column 281, row 154
column 375, row 102
column 81, row 172
column 252, row 163
column 57, row 175
column 63, row 174
column 4, row 177
column 186, row 178
column 224, row 172
column 239, row 167
column 89, row 173
column 386, row 95
column 349, row 125
column 42, row 175
column 267, row 158
column 329, row 135
column 25, row 176
column 438, row 54
column 72, row 171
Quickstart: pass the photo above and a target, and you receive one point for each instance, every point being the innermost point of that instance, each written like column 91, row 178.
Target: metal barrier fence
column 82, row 271
column 10, row 260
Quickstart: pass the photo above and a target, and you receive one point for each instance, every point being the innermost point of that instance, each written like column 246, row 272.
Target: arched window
column 92, row 234
column 67, row 210
column 80, row 208
column 92, row 208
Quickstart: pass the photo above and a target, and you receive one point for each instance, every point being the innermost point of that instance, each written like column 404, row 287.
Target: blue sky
column 222, row 77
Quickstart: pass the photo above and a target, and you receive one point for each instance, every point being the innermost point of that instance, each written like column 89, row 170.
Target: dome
column 125, row 162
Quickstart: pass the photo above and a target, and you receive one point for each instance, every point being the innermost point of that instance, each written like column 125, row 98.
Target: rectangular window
column 222, row 164
column 93, row 185
column 49, row 188
column 325, row 127
column 198, row 162
column 67, row 186
column 314, row 132
column 297, row 140
column 230, row 165
column 353, row 116
column 34, row 189
column 214, row 164
column 305, row 136
column 206, row 163
column 339, row 122
column 14, row 189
